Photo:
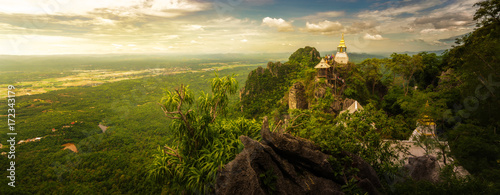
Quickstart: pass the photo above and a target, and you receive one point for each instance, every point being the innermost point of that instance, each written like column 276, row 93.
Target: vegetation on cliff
column 265, row 87
column 205, row 139
column 460, row 86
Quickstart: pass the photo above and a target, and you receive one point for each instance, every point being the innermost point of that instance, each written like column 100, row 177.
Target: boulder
column 283, row 164
column 423, row 168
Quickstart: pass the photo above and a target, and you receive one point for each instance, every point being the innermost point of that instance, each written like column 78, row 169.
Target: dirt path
column 70, row 146
column 103, row 128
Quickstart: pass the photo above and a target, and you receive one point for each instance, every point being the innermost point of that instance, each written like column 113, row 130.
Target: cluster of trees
column 265, row 87
column 114, row 162
column 460, row 87
column 205, row 139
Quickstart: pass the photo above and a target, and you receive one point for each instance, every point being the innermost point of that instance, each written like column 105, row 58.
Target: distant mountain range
column 161, row 58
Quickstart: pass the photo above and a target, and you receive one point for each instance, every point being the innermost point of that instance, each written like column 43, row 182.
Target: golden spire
column 426, row 120
column 342, row 43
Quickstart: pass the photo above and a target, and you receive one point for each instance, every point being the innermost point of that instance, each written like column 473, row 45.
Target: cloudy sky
column 229, row 26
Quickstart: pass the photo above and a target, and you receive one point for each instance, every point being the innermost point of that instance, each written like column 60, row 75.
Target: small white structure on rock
column 323, row 68
column 353, row 108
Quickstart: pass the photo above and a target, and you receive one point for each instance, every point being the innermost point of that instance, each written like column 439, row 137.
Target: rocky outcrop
column 320, row 88
column 274, row 68
column 297, row 97
column 307, row 56
column 448, row 79
column 423, row 168
column 283, row 164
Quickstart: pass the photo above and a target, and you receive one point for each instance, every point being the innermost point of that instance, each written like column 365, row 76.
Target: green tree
column 406, row 66
column 205, row 139
column 306, row 57
column 487, row 13
column 430, row 72
column 361, row 133
column 371, row 68
column 472, row 117
column 355, row 84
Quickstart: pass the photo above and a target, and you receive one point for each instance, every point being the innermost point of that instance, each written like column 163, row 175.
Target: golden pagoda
column 341, row 56
column 426, row 120
column 425, row 126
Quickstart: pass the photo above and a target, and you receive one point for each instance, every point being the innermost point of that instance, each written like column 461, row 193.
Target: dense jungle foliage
column 170, row 133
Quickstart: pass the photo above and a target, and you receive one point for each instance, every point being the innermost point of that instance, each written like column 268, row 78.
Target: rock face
column 337, row 106
column 320, row 88
column 283, row 164
column 423, row 168
column 297, row 97
column 274, row 68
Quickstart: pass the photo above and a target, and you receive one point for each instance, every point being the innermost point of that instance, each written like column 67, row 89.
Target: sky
column 54, row 27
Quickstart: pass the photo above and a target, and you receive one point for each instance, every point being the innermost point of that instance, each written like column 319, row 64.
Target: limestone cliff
column 297, row 97
column 265, row 87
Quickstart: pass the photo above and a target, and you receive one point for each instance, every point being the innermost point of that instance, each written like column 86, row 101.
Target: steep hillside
column 266, row 86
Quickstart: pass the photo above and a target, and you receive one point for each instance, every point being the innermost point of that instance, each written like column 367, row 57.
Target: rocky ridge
column 283, row 164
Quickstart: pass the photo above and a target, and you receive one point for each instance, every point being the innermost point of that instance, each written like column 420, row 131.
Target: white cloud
column 397, row 8
column 420, row 15
column 376, row 37
column 194, row 27
column 432, row 31
column 456, row 16
column 166, row 5
column 103, row 21
column 167, row 37
column 323, row 15
column 438, row 43
column 52, row 39
column 324, row 27
column 446, row 20
column 166, row 8
column 282, row 25
column 362, row 26
column 148, row 24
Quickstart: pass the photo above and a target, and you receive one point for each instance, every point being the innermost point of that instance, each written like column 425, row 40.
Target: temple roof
column 353, row 108
column 322, row 64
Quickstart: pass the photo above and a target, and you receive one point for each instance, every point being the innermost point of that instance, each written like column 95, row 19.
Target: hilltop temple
column 332, row 67
column 326, row 67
